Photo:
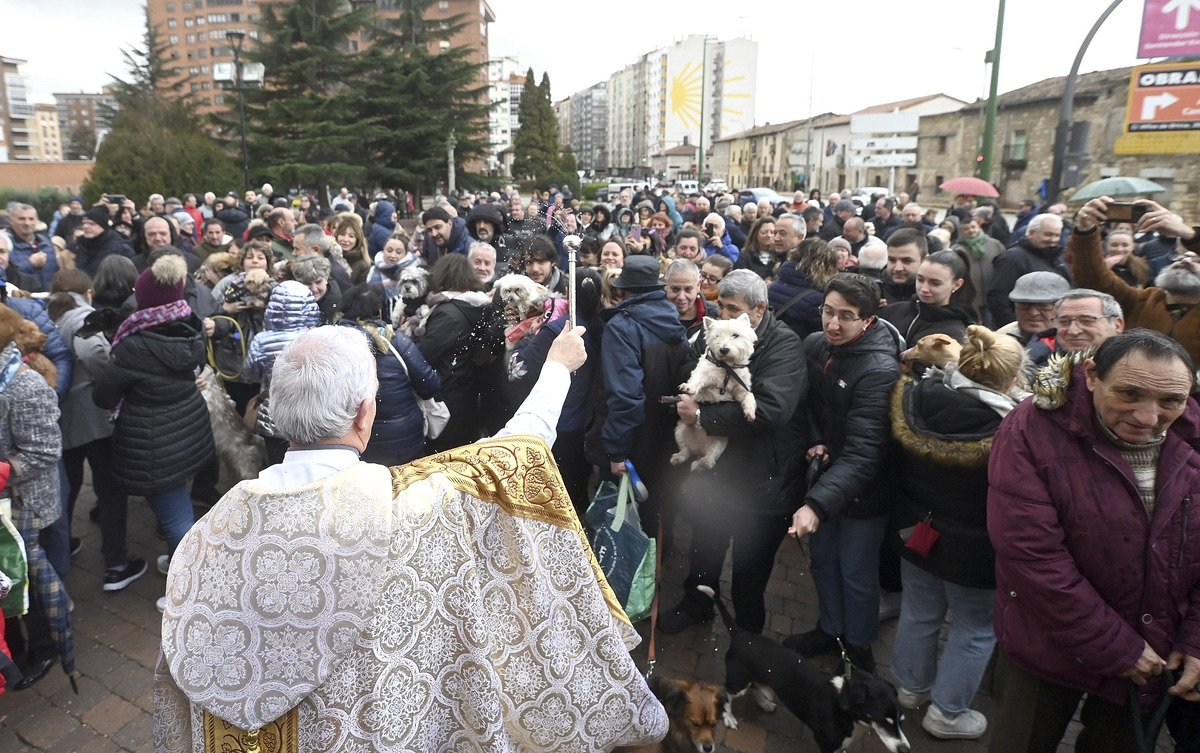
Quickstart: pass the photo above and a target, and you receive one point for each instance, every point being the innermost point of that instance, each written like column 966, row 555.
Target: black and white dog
column 833, row 707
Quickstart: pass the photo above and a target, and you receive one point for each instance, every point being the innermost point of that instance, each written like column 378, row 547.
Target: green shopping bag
column 13, row 564
column 625, row 553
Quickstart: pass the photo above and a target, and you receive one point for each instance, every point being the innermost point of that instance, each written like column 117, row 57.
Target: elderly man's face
column 750, row 212
column 626, row 196
column 158, row 233
column 24, row 221
column 1140, row 397
column 1047, row 235
column 483, row 263
column 156, row 206
column 786, row 237
column 1033, row 318
column 1181, row 278
column 1081, row 324
column 911, row 213
column 733, row 306
column 484, row 231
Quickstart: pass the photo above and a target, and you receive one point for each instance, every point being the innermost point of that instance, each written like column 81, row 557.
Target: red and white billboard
column 1170, row 28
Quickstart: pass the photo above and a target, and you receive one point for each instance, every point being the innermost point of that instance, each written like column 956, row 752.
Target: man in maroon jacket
column 1091, row 484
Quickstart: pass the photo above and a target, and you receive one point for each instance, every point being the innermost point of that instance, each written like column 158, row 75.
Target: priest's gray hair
column 318, row 382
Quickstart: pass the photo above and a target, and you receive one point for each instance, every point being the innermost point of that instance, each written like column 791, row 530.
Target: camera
column 116, row 199
column 1126, row 211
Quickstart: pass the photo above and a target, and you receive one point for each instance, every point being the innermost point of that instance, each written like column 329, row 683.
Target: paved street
column 116, row 643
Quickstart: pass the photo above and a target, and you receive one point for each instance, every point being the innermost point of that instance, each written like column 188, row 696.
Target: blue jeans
column 952, row 683
column 845, row 564
column 173, row 508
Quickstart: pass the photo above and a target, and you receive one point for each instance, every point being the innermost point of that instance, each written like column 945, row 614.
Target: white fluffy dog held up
column 723, row 375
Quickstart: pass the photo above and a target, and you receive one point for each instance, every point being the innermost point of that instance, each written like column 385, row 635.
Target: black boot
column 693, row 609
column 815, row 642
column 860, row 658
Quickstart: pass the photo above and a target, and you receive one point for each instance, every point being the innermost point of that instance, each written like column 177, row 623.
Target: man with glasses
column 1172, row 306
column 853, row 364
column 1033, row 298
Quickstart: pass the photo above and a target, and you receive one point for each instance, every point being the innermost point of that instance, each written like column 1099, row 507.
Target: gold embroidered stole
column 279, row 736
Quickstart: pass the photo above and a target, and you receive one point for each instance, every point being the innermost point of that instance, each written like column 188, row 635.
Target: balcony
column 1013, row 156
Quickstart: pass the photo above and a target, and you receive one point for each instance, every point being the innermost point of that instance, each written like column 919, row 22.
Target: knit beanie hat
column 162, row 283
column 100, row 216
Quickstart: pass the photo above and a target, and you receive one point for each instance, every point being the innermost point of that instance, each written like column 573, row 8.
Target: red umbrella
column 970, row 186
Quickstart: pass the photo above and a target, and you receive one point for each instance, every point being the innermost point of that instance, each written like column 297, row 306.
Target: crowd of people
column 958, row 416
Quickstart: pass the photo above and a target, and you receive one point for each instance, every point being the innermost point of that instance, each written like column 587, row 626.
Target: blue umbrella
column 1117, row 187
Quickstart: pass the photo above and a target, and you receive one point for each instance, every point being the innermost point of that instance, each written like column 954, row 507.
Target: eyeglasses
column 844, row 317
column 710, row 278
column 1065, row 322
column 1044, row 308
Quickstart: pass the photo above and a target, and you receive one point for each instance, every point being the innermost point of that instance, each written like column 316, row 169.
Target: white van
column 686, row 187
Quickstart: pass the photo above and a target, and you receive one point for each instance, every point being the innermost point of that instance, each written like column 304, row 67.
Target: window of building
column 444, row 45
column 939, row 180
column 191, row 39
column 190, row 54
column 187, row 6
column 443, row 4
column 171, row 23
column 218, row 18
column 235, row 16
column 206, row 85
column 175, row 38
column 205, row 69
column 195, row 87
column 199, row 20
column 1019, row 142
column 203, row 53
column 482, row 29
column 219, row 99
column 201, row 37
column 189, row 23
column 193, row 70
column 942, row 147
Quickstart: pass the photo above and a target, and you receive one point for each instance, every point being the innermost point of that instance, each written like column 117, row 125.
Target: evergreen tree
column 535, row 145
column 305, row 126
column 157, row 143
column 418, row 98
column 80, row 144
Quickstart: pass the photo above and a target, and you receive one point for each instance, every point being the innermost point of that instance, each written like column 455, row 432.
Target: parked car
column 862, row 195
column 760, row 193
column 716, row 186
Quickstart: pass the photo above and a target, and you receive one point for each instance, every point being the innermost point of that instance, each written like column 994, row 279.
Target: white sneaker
column 910, row 699
column 162, row 606
column 968, row 725
column 164, row 563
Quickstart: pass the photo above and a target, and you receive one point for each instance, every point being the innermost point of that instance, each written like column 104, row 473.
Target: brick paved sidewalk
column 117, row 635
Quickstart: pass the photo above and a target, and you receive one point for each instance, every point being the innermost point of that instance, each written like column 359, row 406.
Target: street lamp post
column 238, row 38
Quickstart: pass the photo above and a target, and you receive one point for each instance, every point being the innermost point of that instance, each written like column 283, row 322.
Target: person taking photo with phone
column 716, row 238
column 1171, row 306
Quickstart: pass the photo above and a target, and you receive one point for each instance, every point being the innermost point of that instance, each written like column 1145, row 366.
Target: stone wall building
column 1023, row 150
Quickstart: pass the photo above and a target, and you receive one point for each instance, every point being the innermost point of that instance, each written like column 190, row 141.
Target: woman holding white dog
column 944, row 425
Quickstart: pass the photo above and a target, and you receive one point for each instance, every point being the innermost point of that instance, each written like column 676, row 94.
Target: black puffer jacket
column 849, row 392
column 162, row 437
column 915, row 319
column 945, row 438
column 750, row 473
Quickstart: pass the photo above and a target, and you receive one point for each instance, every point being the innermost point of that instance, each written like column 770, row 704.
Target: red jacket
column 1083, row 577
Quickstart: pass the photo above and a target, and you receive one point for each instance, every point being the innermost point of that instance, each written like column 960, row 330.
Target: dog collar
column 730, row 372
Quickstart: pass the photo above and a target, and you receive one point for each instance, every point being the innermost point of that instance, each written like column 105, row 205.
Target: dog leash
column 730, row 372
column 846, row 663
column 654, row 604
column 1148, row 737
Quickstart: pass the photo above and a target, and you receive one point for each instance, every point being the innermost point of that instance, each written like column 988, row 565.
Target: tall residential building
column 47, row 142
column 693, row 91
column 17, row 116
column 506, row 81
column 562, row 113
column 195, row 35
column 84, row 114
column 588, row 132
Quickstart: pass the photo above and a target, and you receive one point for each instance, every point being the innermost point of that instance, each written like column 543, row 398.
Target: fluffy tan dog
column 937, row 350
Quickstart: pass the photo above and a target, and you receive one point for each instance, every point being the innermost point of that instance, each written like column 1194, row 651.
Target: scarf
column 10, row 364
column 994, row 399
column 389, row 274
column 153, row 316
column 974, row 245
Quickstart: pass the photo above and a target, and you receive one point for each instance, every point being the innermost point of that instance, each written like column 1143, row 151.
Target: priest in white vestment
column 451, row 604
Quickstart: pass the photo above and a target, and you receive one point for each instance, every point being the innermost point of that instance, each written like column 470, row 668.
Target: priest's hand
column 568, row 348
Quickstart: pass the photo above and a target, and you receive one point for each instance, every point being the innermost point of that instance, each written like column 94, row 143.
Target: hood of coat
column 491, row 214
column 937, row 423
column 651, row 310
column 383, row 214
column 291, row 307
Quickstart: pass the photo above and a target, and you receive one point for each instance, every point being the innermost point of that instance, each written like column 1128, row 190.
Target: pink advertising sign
column 1170, row 27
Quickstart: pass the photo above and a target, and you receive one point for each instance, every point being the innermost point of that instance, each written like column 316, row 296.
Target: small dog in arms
column 723, row 375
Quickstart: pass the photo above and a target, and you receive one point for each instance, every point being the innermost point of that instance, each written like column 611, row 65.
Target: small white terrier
column 723, row 375
column 522, row 295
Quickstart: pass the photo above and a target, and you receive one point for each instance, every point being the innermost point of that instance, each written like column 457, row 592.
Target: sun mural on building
column 687, row 95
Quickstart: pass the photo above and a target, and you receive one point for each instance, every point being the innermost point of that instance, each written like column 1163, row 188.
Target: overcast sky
column 865, row 52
